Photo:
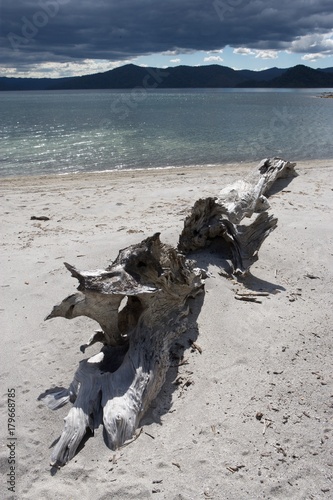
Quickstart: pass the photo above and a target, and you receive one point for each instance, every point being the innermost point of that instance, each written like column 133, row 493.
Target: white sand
column 274, row 357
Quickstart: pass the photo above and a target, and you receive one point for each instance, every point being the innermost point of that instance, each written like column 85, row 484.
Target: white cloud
column 176, row 61
column 259, row 54
column 177, row 52
column 244, row 51
column 217, row 51
column 170, row 53
column 313, row 44
column 266, row 54
column 213, row 59
column 313, row 57
column 60, row 70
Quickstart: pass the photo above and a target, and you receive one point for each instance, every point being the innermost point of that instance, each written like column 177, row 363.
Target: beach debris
column 294, row 295
column 137, row 434
column 285, row 418
column 267, row 423
column 179, row 380
column 279, row 449
column 183, row 383
column 311, row 276
column 141, row 302
column 113, row 459
column 150, row 435
column 266, row 454
column 252, row 294
column 235, row 468
column 176, row 464
column 41, row 217
column 264, row 420
column 248, row 298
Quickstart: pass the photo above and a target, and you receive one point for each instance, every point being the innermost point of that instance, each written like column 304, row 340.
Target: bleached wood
column 246, row 197
column 116, row 386
column 220, row 217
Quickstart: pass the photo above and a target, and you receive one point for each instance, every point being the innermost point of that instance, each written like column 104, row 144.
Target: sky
column 58, row 38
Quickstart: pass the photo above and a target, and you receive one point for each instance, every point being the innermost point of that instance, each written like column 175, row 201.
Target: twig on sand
column 248, row 299
column 235, row 469
column 176, row 464
column 153, row 437
column 41, row 217
column 311, row 276
column 267, row 423
column 135, row 437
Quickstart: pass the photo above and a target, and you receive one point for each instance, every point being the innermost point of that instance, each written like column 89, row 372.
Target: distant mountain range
column 213, row 76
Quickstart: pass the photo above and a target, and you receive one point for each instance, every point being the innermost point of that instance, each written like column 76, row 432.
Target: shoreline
column 142, row 172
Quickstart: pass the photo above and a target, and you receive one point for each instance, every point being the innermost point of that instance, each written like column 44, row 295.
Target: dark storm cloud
column 36, row 31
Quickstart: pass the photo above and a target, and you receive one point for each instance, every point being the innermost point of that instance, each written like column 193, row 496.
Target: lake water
column 97, row 130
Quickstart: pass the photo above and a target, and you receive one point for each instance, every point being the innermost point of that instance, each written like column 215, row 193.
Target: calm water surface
column 77, row 131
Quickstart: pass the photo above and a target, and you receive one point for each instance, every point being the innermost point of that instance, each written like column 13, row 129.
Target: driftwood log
column 141, row 304
column 220, row 217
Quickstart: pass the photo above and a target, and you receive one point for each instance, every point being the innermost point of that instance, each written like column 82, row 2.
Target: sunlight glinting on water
column 81, row 131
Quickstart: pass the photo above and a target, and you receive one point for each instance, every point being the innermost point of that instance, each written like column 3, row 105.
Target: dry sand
column 201, row 440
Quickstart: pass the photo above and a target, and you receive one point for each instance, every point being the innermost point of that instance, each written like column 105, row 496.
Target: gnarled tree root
column 117, row 385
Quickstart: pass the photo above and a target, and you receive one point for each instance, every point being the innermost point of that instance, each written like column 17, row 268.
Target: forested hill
column 212, row 76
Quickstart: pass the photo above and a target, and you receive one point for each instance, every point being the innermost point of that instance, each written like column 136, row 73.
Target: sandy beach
column 249, row 417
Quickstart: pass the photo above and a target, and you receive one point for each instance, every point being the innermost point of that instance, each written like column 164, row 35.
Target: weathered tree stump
column 141, row 304
column 117, row 385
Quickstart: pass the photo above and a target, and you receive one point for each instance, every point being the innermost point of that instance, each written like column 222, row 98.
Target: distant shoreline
column 135, row 78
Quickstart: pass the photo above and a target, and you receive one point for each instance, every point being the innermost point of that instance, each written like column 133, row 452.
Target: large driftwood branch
column 141, row 304
column 117, row 385
column 220, row 217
